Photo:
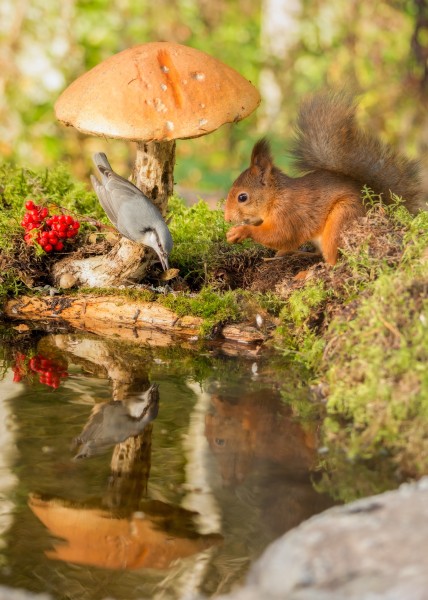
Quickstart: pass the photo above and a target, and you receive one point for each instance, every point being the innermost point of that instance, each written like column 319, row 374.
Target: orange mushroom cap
column 156, row 92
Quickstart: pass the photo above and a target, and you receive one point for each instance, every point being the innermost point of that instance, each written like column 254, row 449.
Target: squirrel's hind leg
column 340, row 216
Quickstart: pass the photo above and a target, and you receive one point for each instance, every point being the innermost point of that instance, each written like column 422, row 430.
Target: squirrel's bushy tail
column 329, row 138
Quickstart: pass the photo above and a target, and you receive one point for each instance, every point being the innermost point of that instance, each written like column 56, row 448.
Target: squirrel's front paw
column 237, row 234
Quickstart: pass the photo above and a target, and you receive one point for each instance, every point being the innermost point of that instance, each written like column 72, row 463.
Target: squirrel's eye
column 242, row 197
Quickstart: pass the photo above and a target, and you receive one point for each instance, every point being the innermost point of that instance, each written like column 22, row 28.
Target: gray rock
column 372, row 549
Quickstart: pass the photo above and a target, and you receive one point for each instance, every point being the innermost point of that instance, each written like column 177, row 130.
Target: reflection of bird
column 130, row 211
column 114, row 422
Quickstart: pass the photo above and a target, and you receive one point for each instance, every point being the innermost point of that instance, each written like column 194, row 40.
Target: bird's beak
column 163, row 260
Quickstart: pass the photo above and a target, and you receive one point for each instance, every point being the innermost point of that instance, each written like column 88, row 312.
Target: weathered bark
column 142, row 322
column 125, row 263
column 153, row 171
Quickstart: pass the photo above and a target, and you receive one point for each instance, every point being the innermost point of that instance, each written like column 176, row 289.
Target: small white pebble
column 138, row 514
column 254, row 368
column 259, row 320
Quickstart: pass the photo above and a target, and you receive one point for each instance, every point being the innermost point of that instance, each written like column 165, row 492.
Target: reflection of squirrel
column 339, row 158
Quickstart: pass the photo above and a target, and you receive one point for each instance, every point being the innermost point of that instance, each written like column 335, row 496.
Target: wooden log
column 145, row 322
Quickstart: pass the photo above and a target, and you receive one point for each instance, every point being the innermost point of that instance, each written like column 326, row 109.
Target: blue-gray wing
column 125, row 205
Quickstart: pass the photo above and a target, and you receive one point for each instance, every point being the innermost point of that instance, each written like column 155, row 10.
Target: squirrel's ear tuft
column 261, row 161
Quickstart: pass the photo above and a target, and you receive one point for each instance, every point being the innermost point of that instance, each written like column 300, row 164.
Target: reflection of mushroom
column 152, row 94
column 97, row 537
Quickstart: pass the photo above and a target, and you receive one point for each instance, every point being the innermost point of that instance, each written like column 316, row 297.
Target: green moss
column 297, row 334
column 140, row 295
column 377, row 377
column 200, row 247
column 212, row 306
column 52, row 188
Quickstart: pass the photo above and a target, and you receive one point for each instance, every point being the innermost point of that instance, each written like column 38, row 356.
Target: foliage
column 365, row 46
column 20, row 263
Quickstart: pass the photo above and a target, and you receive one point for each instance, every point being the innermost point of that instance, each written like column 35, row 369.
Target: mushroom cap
column 156, row 91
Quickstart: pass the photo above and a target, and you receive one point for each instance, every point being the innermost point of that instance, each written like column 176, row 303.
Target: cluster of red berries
column 50, row 372
column 49, row 232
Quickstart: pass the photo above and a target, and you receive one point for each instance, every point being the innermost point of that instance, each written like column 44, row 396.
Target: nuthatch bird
column 114, row 422
column 130, row 211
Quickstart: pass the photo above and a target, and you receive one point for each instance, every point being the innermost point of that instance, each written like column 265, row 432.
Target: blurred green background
column 287, row 48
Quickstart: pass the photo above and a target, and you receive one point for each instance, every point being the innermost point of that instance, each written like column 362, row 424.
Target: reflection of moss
column 347, row 480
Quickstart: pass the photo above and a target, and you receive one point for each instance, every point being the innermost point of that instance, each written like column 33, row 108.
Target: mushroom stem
column 153, row 171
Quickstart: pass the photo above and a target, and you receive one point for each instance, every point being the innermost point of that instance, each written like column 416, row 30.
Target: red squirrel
column 338, row 159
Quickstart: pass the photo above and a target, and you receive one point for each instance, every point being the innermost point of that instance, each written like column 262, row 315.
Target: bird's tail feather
column 101, row 160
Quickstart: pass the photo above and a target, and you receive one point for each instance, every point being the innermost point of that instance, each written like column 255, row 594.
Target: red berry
column 76, row 225
column 69, row 220
column 44, row 212
column 59, row 246
column 71, row 233
column 62, row 219
column 48, row 248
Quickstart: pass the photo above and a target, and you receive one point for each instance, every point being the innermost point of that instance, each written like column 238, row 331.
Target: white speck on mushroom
column 202, row 122
column 169, row 125
column 164, row 69
column 198, row 76
column 164, row 87
column 202, row 105
column 159, row 105
column 184, row 81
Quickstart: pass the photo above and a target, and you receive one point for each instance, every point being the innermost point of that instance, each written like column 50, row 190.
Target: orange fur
column 318, row 206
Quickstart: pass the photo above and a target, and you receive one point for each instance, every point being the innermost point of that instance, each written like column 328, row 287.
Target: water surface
column 209, row 477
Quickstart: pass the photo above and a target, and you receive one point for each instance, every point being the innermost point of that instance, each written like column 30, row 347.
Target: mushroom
column 152, row 94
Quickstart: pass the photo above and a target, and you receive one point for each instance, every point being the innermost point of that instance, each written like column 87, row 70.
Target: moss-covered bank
column 360, row 330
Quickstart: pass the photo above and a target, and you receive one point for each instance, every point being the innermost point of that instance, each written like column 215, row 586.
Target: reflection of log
column 130, row 464
column 118, row 316
column 130, row 471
